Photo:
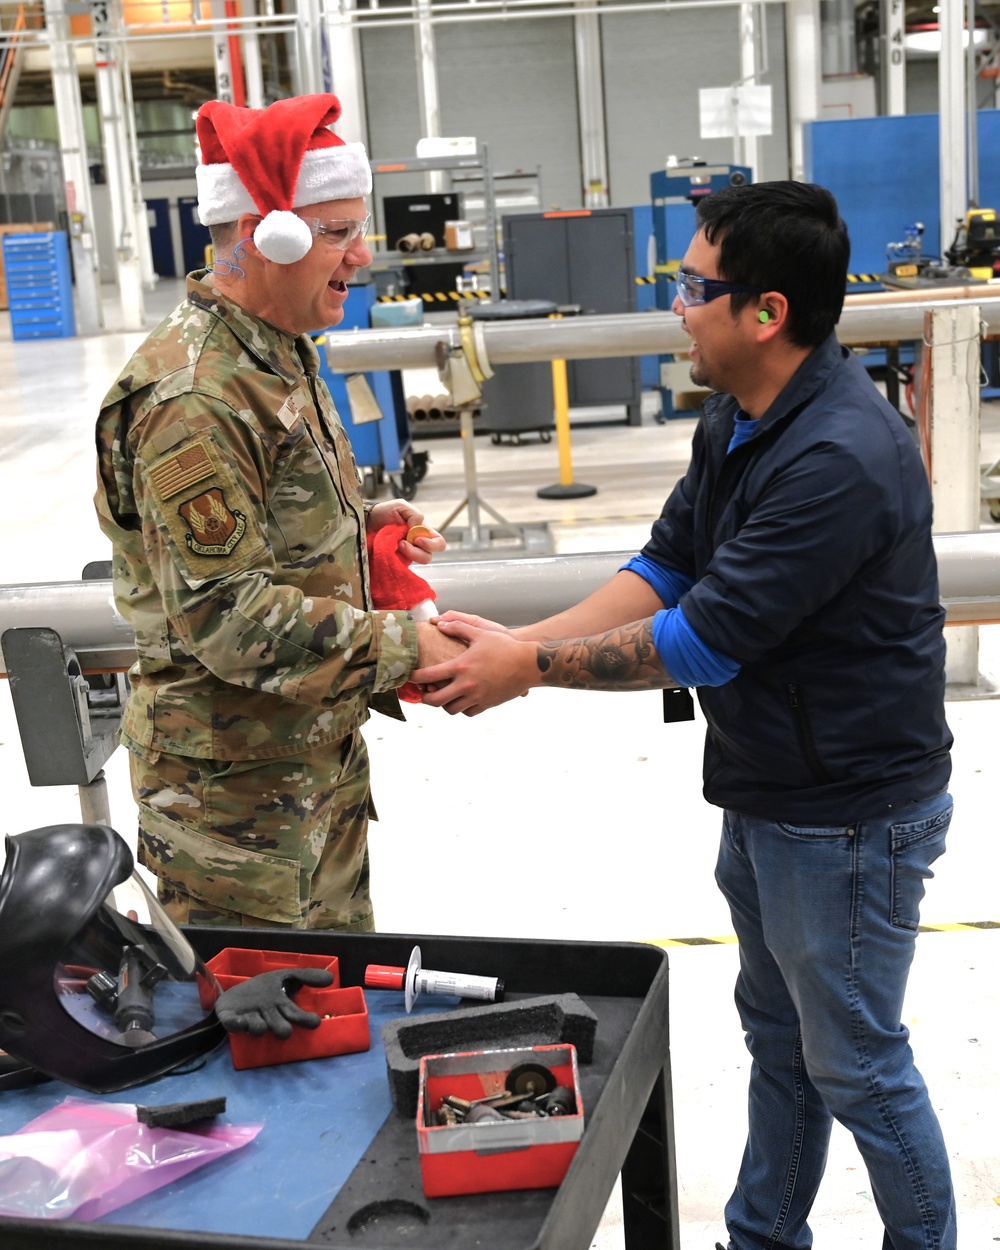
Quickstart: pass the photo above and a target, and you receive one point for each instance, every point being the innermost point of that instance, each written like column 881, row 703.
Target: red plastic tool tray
column 232, row 964
column 494, row 1155
column 343, row 1030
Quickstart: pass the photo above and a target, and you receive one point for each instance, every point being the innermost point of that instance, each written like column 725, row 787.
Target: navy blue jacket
column 810, row 549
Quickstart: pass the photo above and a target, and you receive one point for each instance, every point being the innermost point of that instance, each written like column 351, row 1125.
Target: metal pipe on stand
column 889, row 317
column 514, row 591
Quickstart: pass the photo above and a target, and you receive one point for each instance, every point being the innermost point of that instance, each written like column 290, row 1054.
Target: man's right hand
column 480, row 622
column 435, row 647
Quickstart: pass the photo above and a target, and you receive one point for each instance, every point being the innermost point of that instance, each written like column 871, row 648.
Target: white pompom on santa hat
column 270, row 161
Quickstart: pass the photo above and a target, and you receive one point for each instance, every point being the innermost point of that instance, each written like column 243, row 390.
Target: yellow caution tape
column 729, row 939
column 431, row 297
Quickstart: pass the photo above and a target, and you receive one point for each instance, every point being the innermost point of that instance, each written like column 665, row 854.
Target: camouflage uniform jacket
column 230, row 494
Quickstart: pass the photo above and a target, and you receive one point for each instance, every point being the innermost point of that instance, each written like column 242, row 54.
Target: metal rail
column 514, row 591
column 624, row 334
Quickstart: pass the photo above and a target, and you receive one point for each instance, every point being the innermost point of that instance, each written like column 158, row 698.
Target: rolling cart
column 372, row 407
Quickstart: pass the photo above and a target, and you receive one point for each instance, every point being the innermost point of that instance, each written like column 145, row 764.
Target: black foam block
column 538, row 1021
column 167, row 1114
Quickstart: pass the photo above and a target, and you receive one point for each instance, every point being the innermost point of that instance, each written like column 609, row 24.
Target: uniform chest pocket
column 308, row 511
column 343, row 457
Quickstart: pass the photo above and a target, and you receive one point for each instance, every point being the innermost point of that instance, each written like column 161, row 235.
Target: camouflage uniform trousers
column 259, row 843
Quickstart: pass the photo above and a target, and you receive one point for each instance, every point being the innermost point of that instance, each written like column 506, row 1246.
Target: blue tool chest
column 39, row 285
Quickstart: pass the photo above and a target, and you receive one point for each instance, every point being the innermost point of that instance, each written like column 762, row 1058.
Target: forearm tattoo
column 621, row 659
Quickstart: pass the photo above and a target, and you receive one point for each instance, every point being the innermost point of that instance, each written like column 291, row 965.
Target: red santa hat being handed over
column 269, row 161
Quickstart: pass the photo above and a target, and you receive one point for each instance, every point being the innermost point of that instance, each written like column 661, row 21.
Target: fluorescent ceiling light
column 930, row 40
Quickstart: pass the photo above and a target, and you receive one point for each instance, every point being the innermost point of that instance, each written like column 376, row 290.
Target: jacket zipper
column 804, row 732
column 725, row 469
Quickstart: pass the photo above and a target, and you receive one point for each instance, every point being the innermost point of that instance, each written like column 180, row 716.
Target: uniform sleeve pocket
column 220, row 874
column 205, row 511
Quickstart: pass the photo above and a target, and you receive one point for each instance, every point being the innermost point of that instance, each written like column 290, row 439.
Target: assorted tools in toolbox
column 495, row 1120
column 530, row 1092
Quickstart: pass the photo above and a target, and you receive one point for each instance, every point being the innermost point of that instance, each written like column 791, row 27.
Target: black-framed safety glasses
column 694, row 289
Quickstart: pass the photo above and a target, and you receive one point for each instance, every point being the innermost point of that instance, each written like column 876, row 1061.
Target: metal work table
column 626, row 1096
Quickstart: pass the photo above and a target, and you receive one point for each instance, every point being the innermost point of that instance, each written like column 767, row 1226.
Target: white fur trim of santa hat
column 334, row 173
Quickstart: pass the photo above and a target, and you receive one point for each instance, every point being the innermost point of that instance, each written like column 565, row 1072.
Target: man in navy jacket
column 791, row 578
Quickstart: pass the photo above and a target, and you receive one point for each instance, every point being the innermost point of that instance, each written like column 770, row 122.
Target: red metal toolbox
column 494, row 1155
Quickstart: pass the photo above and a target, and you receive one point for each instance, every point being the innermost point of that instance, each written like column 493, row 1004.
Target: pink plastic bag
column 84, row 1159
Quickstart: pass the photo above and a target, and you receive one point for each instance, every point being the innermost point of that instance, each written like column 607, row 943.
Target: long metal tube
column 514, row 591
column 622, row 334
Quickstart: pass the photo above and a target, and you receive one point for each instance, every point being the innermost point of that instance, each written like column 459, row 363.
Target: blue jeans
column 827, row 921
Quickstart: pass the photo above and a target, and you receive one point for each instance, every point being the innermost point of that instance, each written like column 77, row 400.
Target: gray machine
column 584, row 259
column 517, row 398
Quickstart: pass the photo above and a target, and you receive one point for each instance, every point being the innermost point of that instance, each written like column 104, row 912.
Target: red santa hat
column 269, row 161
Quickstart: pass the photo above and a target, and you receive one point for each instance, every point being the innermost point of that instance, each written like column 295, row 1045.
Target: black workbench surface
column 381, row 1205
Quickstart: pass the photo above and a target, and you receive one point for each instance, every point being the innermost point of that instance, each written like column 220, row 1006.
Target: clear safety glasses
column 339, row 232
column 694, row 289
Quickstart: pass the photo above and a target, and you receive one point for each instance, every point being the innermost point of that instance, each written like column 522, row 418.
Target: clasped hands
column 469, row 664
column 464, row 663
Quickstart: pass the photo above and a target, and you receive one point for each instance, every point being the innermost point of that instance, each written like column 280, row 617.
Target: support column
column 951, row 119
column 229, row 83
column 347, row 80
column 748, row 152
column 307, row 72
column 803, row 59
column 953, row 335
column 110, row 107
column 590, row 104
column 971, row 107
column 139, row 213
column 427, row 83
column 893, row 58
column 73, row 150
column 253, row 72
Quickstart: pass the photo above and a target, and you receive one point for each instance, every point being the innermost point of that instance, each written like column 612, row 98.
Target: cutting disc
column 530, row 1079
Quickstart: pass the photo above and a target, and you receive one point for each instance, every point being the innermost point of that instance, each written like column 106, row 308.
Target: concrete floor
column 592, row 791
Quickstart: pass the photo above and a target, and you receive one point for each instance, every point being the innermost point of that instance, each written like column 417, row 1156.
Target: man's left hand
column 493, row 669
column 399, row 512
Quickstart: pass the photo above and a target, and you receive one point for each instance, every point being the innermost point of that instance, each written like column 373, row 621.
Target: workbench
column 365, row 1154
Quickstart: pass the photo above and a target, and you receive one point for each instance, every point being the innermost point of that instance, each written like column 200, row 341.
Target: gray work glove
column 263, row 1002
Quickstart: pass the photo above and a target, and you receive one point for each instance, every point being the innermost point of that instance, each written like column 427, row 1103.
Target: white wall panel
column 513, row 85
column 654, row 64
column 389, row 62
column 510, row 84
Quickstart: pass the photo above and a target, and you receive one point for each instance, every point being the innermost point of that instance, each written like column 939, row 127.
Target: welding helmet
column 88, row 994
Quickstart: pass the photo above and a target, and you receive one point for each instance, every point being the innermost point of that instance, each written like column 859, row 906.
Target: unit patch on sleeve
column 182, row 470
column 215, row 529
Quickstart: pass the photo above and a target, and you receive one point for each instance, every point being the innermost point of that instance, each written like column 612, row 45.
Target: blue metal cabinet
column 381, row 446
column 885, row 173
column 645, row 295
column 161, row 240
column 39, row 285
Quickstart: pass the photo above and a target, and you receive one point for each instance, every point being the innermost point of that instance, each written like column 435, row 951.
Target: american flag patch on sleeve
column 181, row 470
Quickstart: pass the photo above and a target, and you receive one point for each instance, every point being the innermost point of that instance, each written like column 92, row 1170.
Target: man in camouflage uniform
column 229, row 491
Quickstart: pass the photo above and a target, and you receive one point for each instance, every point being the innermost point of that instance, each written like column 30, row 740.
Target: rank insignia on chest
column 215, row 529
